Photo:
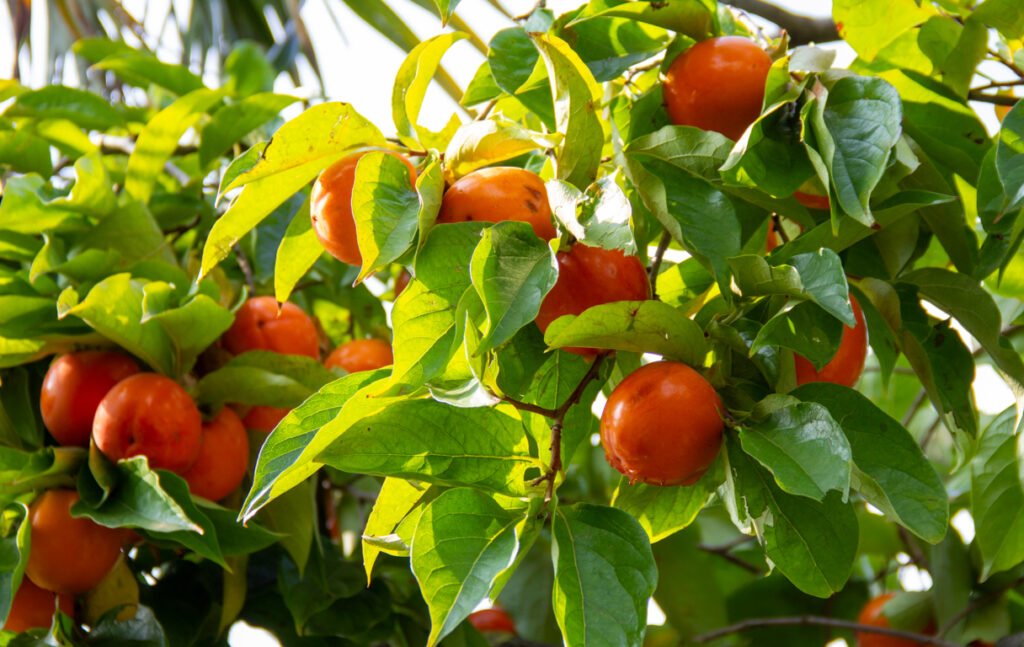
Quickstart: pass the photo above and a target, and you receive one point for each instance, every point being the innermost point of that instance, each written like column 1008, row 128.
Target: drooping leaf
column 385, row 209
column 997, row 496
column 411, row 84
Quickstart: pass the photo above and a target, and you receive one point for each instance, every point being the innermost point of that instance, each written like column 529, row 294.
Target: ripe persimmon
column 330, row 207
column 260, row 325
column 590, row 276
column 494, row 620
column 361, row 355
column 223, row 457
column 662, row 425
column 717, row 84
column 847, row 364
column 872, row 616
column 69, row 555
column 497, row 194
column 264, row 418
column 772, row 239
column 149, row 415
column 74, row 385
column 402, row 281
column 33, row 607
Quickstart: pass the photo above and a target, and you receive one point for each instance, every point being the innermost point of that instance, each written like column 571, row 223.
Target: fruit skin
column 590, row 276
column 260, row 325
column 662, row 425
column 497, row 194
column 492, row 621
column 402, row 282
column 361, row 355
column 74, row 385
column 771, row 241
column 69, row 555
column 330, row 207
column 718, row 84
column 871, row 615
column 264, row 418
column 33, row 607
column 847, row 364
column 812, row 200
column 223, row 457
column 149, row 415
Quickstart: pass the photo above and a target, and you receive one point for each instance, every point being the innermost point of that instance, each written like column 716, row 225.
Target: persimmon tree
column 681, row 313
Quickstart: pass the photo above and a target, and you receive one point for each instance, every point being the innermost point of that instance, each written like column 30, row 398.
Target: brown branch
column 996, row 99
column 659, row 255
column 801, row 29
column 973, row 606
column 816, row 621
column 725, row 553
column 243, row 264
column 1009, row 64
column 999, row 84
column 541, row 4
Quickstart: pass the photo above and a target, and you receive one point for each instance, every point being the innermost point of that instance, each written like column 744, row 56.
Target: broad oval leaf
column 386, row 211
column 997, row 495
column 411, row 84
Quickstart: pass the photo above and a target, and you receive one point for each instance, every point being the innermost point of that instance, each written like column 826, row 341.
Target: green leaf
column 142, row 69
column 435, row 443
column 1009, row 148
column 395, row 501
column 14, row 547
column 114, row 309
column 424, row 314
column 802, row 446
column 484, row 143
column 694, row 18
column 812, row 543
column 856, row 128
column 293, row 515
column 233, row 122
column 24, row 152
column 19, row 424
column 411, row 83
column 512, row 270
column 636, row 326
column 192, row 327
column 890, row 471
column 385, row 208
column 24, row 210
column 696, row 151
column 249, row 70
column 818, row 276
column 663, row 511
column 805, row 329
column 464, row 540
column 599, row 217
column 299, row 150
column 160, row 137
column 1005, row 15
column 445, row 9
column 577, row 97
column 860, row 25
column 82, row 108
column 955, row 49
column 604, row 575
column 264, row 378
column 298, row 252
column 512, row 57
column 92, row 193
column 997, row 496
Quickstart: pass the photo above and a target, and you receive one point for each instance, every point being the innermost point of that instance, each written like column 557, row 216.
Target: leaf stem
column 659, row 255
column 815, row 621
column 974, row 605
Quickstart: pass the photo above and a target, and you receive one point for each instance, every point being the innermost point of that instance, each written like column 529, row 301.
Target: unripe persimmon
column 591, row 276
column 494, row 620
column 497, row 194
column 149, row 415
column 33, row 607
column 264, row 418
column 662, row 425
column 74, row 385
column 872, row 616
column 717, row 84
column 361, row 355
column 69, row 555
column 223, row 457
column 260, row 325
column 330, row 207
column 847, row 364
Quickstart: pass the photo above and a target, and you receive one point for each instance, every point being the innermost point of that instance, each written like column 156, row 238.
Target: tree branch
column 725, row 553
column 997, row 99
column 802, row 29
column 973, row 606
column 816, row 621
column 659, row 255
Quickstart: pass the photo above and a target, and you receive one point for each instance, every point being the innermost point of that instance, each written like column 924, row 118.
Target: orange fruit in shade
column 497, row 194
column 847, row 364
column 149, row 415
column 72, row 389
column 401, row 282
column 717, row 84
column 872, row 616
column 223, row 457
column 772, row 239
column 33, row 607
column 361, row 355
column 330, row 207
column 494, row 620
column 68, row 555
column 591, row 276
column 264, row 418
column 662, row 425
column 260, row 325
column 812, row 200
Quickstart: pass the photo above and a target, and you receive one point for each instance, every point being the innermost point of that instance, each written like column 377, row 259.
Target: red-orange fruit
column 260, row 325
column 264, row 418
column 717, row 84
column 149, row 415
column 662, row 425
column 872, row 616
column 847, row 364
column 497, row 194
column 69, row 555
column 361, row 355
column 74, row 385
column 33, row 607
column 330, row 207
column 223, row 457
column 493, row 620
